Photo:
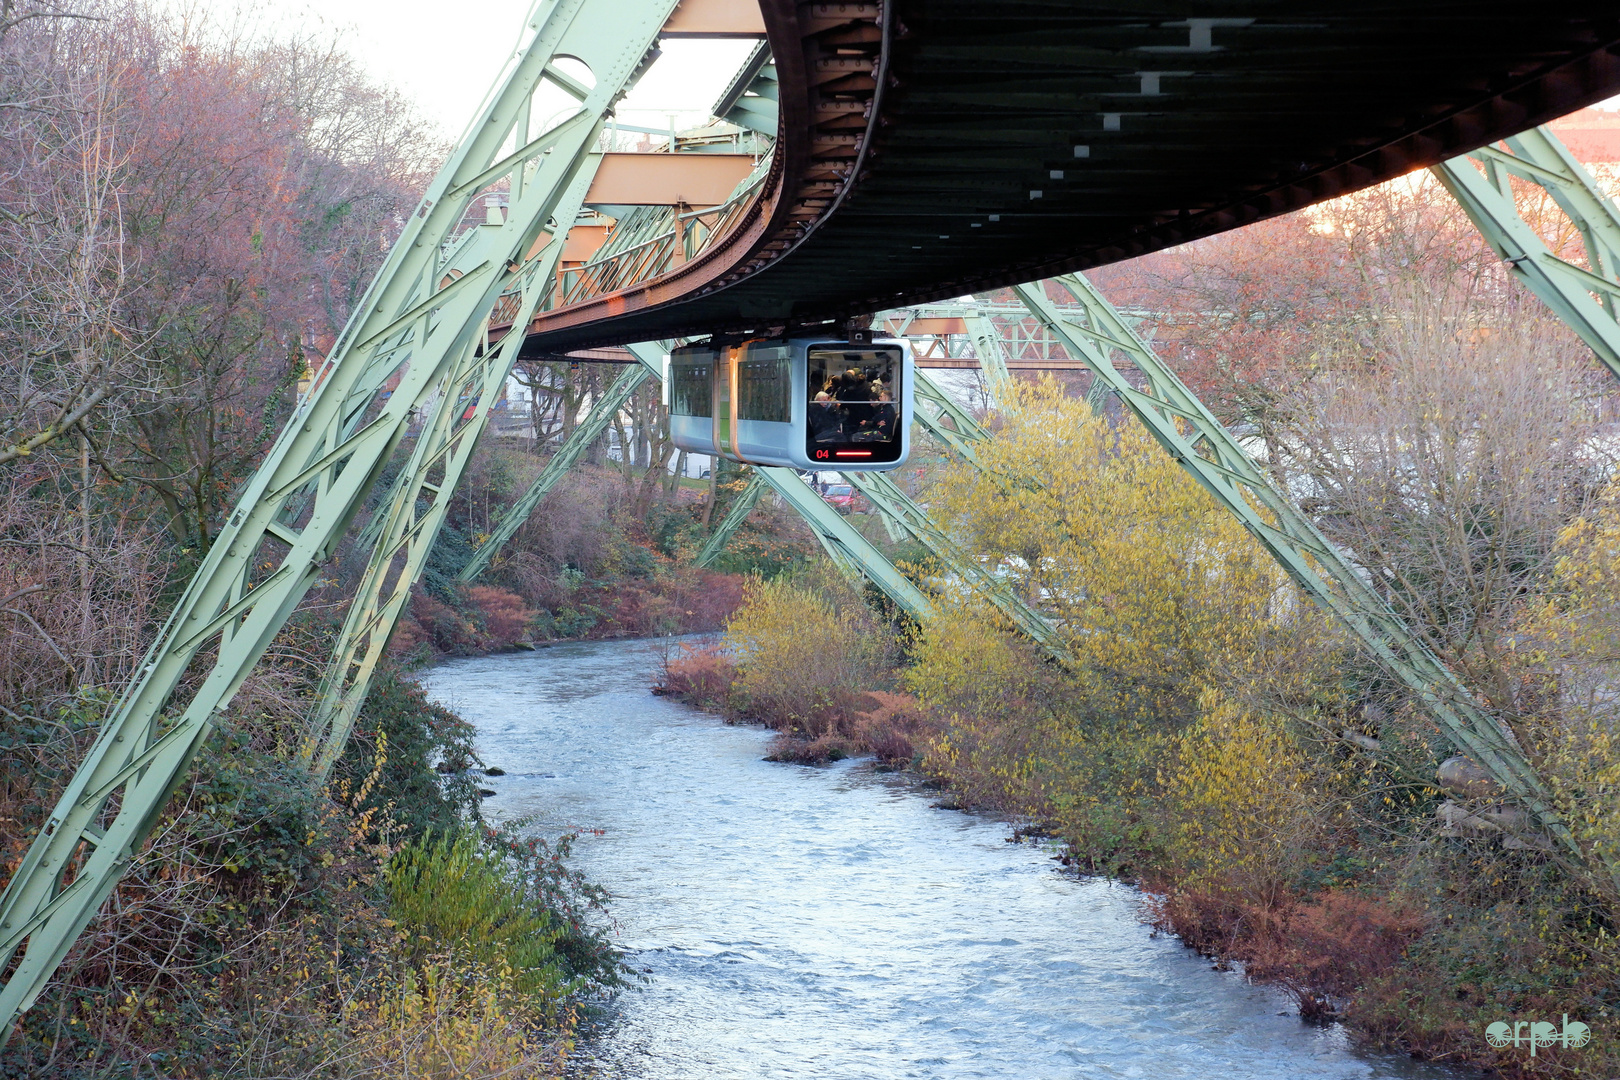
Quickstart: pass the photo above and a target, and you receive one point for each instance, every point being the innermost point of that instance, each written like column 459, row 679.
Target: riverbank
column 1245, row 850
column 809, row 922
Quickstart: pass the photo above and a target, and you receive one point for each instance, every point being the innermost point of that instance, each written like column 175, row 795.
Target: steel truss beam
column 897, row 506
column 1196, row 439
column 740, row 509
column 844, row 544
column 586, row 432
column 403, row 535
column 1584, row 297
column 945, row 419
column 416, row 319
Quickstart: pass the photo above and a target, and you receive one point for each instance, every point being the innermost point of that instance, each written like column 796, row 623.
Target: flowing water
column 830, row 923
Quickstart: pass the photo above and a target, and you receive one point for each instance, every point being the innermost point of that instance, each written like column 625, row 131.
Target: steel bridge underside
column 931, row 148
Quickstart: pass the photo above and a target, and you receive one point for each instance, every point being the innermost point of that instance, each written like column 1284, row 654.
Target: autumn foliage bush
column 700, row 676
column 830, row 702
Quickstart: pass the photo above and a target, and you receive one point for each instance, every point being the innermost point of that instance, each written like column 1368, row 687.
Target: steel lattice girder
column 1584, row 298
column 844, row 543
column 1196, row 439
column 419, row 502
column 895, row 504
column 936, row 407
column 741, row 506
column 317, row 475
column 585, row 432
column 416, row 513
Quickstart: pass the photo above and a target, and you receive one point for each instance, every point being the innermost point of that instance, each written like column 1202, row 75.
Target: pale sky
column 444, row 56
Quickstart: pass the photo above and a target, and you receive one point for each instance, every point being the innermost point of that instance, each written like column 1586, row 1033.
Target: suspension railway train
column 806, row 403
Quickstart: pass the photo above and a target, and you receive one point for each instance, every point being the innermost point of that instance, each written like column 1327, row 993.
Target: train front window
column 854, row 408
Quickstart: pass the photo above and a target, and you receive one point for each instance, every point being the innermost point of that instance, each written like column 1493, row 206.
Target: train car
column 806, row 403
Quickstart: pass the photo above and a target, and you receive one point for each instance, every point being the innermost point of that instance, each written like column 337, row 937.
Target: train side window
column 765, row 385
column 689, row 390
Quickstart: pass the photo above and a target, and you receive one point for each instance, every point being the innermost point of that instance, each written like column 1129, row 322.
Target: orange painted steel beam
column 716, row 19
column 668, row 179
column 583, row 242
column 931, row 327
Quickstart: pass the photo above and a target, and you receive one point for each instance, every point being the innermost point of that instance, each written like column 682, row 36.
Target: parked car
column 841, row 497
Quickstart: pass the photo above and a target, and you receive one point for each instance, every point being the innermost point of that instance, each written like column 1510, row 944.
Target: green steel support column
column 404, row 537
column 1583, row 298
column 847, row 547
column 934, row 407
column 891, row 500
column 733, row 520
column 992, row 357
column 416, row 320
column 1192, row 435
column 586, row 432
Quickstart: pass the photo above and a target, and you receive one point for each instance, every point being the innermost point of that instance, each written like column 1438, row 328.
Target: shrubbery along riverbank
column 1215, row 740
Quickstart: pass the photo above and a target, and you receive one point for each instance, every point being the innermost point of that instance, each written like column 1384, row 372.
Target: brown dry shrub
column 1321, row 950
column 698, row 676
column 635, row 610
column 887, row 726
column 887, row 729
column 506, row 617
column 437, row 625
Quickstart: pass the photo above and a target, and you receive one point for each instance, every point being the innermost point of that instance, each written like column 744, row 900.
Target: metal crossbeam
column 1585, row 298
column 586, row 432
column 740, row 509
column 1196, row 439
column 416, row 319
column 945, row 419
column 896, row 505
column 844, row 543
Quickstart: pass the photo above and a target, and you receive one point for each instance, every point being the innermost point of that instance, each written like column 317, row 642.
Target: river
column 830, row 923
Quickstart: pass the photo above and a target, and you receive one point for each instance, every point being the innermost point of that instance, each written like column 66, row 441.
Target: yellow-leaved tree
column 803, row 650
column 1570, row 664
column 1160, row 596
column 1246, row 803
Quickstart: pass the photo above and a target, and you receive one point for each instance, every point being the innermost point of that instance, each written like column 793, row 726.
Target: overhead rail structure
column 1587, row 298
column 920, row 152
column 928, row 151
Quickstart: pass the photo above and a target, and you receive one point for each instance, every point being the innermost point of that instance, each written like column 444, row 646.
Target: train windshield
column 854, row 410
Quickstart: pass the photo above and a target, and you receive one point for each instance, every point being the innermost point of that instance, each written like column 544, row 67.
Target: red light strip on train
column 852, row 453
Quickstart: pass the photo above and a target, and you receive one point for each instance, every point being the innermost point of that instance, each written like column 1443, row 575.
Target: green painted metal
column 844, row 543
column 892, row 501
column 750, row 101
column 413, row 321
column 403, row 534
column 987, row 347
column 1196, row 439
column 741, row 507
column 586, row 432
column 1585, row 298
column 945, row 419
